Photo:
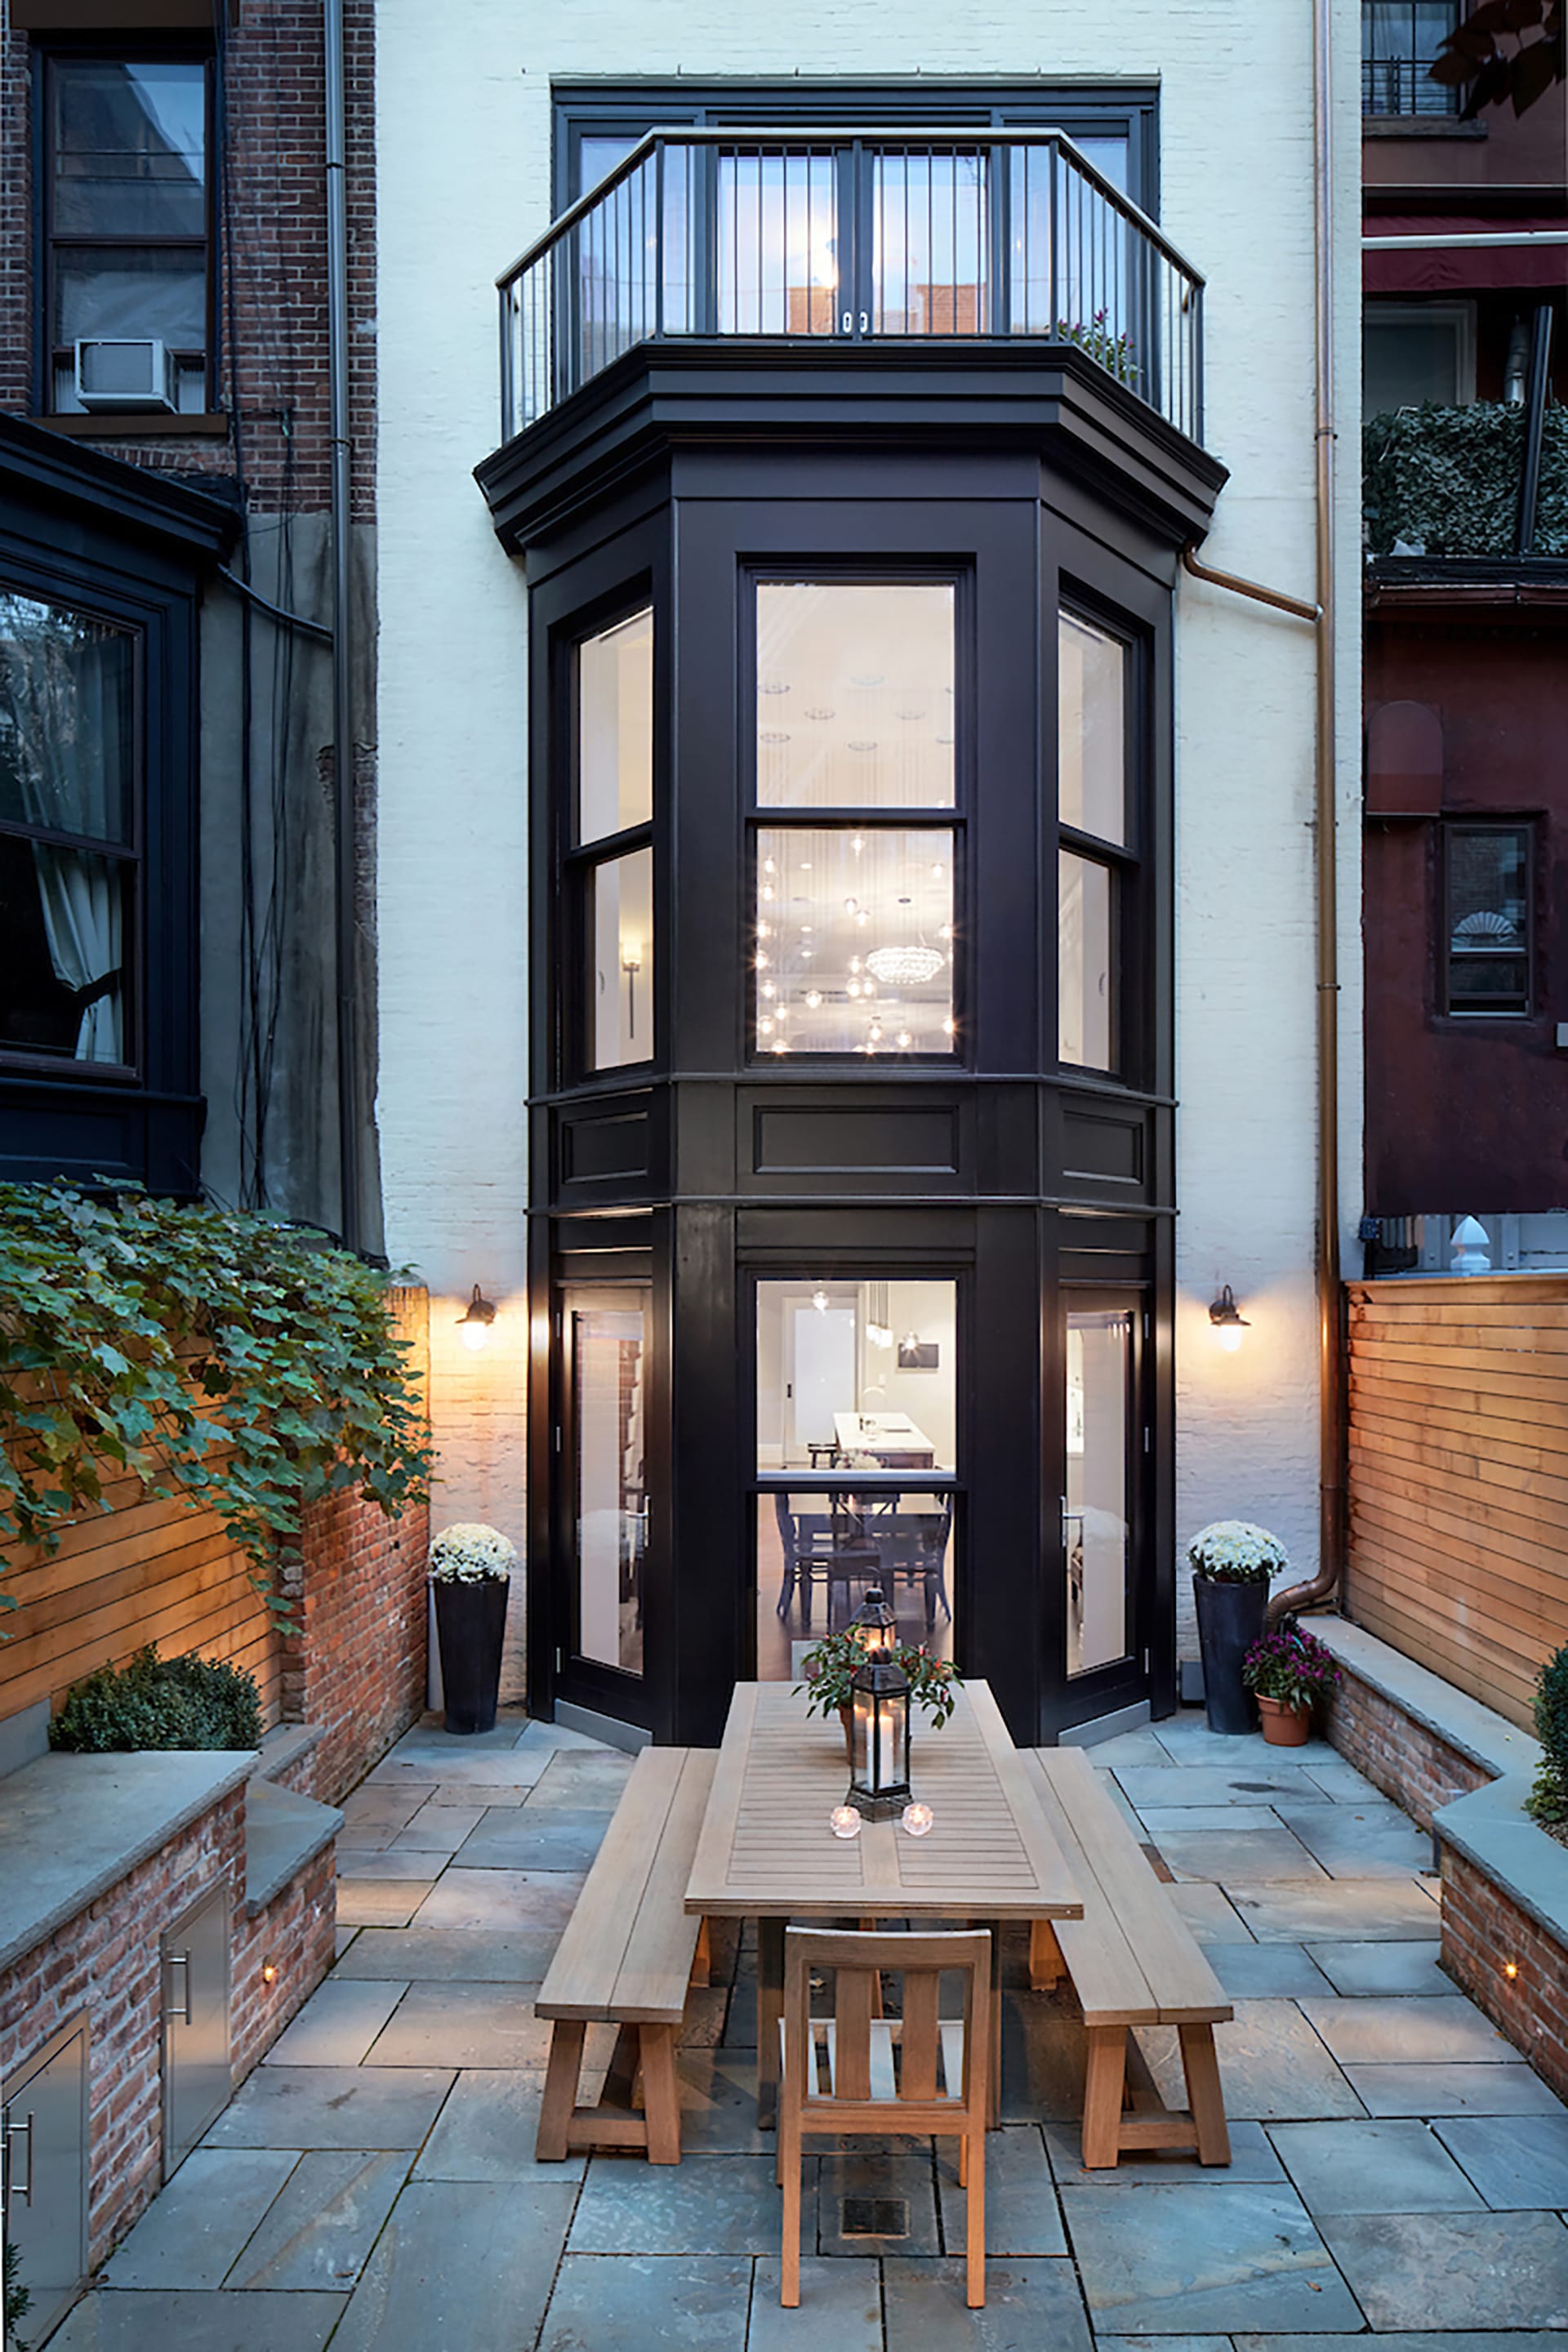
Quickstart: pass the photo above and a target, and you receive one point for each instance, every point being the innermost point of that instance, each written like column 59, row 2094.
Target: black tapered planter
column 470, row 1625
column 1230, row 1619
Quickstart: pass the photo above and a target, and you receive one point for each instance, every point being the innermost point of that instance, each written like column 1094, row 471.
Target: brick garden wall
column 106, row 1961
column 1484, row 1930
column 357, row 1666
column 1414, row 1766
column 297, row 1932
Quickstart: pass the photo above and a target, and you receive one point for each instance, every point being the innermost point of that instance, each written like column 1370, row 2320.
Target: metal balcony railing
column 858, row 238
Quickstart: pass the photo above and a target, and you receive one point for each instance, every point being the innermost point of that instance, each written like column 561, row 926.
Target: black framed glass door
column 602, row 1498
column 1104, row 1590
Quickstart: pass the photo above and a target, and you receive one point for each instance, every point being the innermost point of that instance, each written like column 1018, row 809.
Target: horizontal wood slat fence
column 1458, row 1477
column 145, row 1570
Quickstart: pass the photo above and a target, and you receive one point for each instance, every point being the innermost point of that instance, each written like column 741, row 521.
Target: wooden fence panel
column 1458, row 1477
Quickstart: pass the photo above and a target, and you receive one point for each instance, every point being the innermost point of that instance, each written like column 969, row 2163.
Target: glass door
column 1104, row 1660
column 603, row 1336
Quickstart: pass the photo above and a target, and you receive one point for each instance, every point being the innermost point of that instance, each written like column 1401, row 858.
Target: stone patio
column 1398, row 2168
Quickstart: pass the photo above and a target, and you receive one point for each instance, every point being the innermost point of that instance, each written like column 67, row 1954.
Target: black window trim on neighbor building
column 630, row 110
column 85, row 531
column 49, row 56
column 1470, row 1004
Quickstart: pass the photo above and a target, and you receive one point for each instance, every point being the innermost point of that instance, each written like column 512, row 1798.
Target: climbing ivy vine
column 219, row 1358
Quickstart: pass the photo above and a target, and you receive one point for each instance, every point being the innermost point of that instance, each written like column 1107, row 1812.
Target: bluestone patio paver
column 1021, row 2215
column 1188, row 2343
column 871, row 2177
column 1455, row 2269
column 332, row 2106
column 1043, row 2058
column 1321, row 1910
column 1506, row 2090
column 1127, row 1750
column 387, row 1863
column 1252, row 2157
column 1445, row 2032
column 1356, row 1841
column 615, row 2301
column 319, row 2231
column 1254, row 1819
column 1271, row 2063
column 487, row 2131
column 1261, row 1971
column 1361, row 1969
column 441, row 1829
column 1381, row 2166
column 526, row 1837
column 719, row 2103
column 844, row 2300
column 1211, row 1915
column 1341, row 1782
column 382, row 1902
column 193, row 2232
column 703, row 2205
column 466, row 2264
column 1030, row 2307
column 510, row 1769
column 587, row 1780
column 1516, row 2162
column 337, row 2025
column 507, row 1899
column 186, row 2321
column 1187, row 1738
column 1424, row 2340
column 430, row 1954
column 1197, row 2257
column 464, row 2024
column 1257, row 1857
column 1205, row 1786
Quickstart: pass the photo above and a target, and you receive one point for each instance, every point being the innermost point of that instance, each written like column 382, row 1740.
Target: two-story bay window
column 127, row 229
column 857, row 767
column 1097, row 869
column 610, row 856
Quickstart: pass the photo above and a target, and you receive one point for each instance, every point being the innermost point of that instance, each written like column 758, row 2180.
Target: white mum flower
column 469, row 1552
column 1236, row 1552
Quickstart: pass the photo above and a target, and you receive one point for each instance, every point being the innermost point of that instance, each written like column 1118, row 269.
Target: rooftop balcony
column 955, row 239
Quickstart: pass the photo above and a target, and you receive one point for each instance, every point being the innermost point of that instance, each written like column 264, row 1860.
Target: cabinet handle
column 180, row 2015
column 21, row 2191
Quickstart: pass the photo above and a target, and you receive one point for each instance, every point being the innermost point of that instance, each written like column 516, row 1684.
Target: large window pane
column 854, row 694
column 819, row 1553
column 620, row 976
column 129, row 148
column 63, row 929
column 854, row 949
column 1488, row 918
column 1085, row 1007
column 1091, row 730
column 614, row 729
column 1095, row 1525
column 151, row 290
column 67, row 713
column 607, row 1394
column 856, row 1375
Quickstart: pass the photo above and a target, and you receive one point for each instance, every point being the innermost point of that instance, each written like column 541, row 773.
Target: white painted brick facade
column 464, row 117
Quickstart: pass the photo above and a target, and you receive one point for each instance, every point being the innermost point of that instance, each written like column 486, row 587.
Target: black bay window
column 1097, row 864
column 127, row 230
column 611, row 856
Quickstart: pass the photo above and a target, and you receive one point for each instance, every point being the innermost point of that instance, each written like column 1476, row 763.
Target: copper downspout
column 1331, row 1365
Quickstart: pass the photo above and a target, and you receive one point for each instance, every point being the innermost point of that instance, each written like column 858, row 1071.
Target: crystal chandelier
column 904, row 967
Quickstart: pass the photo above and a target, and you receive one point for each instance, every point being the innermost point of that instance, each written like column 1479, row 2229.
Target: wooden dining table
column 766, row 1850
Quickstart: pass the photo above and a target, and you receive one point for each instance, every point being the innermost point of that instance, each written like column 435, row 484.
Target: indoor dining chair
column 859, row 2073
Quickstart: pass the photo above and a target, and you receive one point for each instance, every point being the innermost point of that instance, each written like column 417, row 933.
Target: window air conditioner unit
column 125, row 371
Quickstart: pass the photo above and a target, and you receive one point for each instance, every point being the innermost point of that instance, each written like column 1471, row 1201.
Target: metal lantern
column 879, row 1740
column 874, row 1625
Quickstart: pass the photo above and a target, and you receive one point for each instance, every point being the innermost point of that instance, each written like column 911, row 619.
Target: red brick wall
column 106, row 1961
column 296, row 1933
column 276, row 253
column 356, row 1666
column 1483, row 1931
column 1399, row 1756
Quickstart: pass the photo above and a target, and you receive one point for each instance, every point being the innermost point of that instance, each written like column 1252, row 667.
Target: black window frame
column 1477, row 1008
column 579, row 861
column 952, row 818
column 1129, row 862
column 144, row 49
column 1443, row 98
column 632, row 109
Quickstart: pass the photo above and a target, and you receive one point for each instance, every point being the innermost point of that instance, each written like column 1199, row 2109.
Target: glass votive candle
column 844, row 1822
column 918, row 1820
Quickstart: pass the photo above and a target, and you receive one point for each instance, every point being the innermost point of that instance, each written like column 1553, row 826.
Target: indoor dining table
column 768, row 1852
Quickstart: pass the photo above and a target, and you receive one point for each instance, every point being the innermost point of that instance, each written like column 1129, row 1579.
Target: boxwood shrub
column 155, row 1702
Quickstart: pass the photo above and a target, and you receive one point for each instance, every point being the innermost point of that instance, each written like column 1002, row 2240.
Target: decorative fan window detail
column 1487, row 891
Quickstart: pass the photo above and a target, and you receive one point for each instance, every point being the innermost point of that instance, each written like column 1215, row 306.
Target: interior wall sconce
column 631, row 964
column 475, row 1326
column 1228, row 1325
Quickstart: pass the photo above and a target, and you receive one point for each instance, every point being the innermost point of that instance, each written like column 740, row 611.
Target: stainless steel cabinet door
column 195, row 2023
column 43, row 2133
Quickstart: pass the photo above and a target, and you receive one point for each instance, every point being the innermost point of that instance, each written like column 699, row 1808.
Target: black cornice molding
column 735, row 392
column 45, row 470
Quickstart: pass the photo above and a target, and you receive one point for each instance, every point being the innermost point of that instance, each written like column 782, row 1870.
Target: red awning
column 1462, row 269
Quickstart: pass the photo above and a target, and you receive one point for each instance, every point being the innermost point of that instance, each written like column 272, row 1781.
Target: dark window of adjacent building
column 610, row 854
column 1097, row 861
column 1487, row 872
column 1399, row 40
column 69, row 836
column 127, row 229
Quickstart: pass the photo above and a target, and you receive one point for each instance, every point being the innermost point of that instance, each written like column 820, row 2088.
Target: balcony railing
column 857, row 239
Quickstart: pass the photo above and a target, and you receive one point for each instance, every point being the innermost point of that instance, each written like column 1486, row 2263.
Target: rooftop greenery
column 1444, row 481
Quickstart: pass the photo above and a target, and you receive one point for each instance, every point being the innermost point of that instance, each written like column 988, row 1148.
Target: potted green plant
column 471, row 1575
column 830, row 1668
column 1287, row 1670
column 1232, row 1563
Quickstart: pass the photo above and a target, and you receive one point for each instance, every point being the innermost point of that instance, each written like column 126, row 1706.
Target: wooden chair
column 858, row 2072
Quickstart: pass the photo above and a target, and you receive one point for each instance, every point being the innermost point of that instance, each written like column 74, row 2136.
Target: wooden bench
column 1133, row 1961
column 627, row 1956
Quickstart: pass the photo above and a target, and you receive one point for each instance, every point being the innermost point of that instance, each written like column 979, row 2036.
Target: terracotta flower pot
column 1284, row 1727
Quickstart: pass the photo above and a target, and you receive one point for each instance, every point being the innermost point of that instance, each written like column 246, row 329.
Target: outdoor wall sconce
column 1228, row 1325
column 873, row 1624
column 879, row 1730
column 475, row 1326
